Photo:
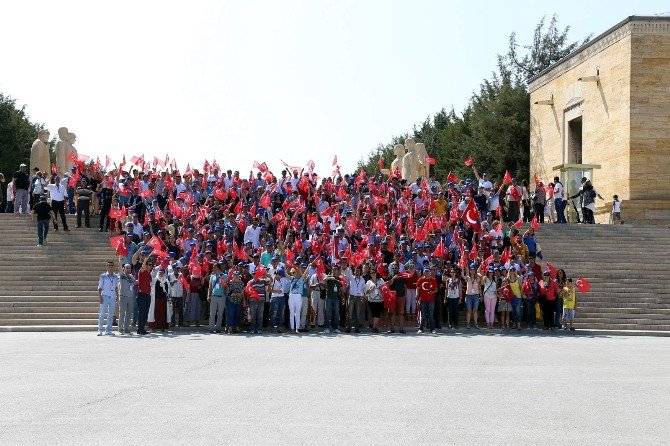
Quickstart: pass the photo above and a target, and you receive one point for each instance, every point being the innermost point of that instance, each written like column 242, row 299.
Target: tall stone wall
column 650, row 112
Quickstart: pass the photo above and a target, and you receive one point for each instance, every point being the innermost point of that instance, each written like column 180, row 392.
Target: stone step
column 47, row 328
column 64, row 321
column 67, row 296
column 66, row 306
column 29, row 315
column 55, row 309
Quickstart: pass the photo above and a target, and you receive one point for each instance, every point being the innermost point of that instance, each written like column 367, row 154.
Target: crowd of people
column 297, row 252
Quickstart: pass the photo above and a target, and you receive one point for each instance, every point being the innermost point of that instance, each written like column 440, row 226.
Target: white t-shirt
column 617, row 206
column 558, row 191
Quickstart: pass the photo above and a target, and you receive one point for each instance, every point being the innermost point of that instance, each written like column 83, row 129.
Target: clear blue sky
column 262, row 80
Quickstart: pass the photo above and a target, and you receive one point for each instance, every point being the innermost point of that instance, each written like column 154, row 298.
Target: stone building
column 604, row 112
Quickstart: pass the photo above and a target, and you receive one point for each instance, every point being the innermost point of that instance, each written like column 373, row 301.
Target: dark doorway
column 575, row 141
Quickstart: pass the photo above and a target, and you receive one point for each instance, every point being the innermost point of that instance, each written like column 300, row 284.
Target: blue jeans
column 516, row 310
column 472, row 301
column 42, row 231
column 233, row 312
column 277, row 311
column 560, row 204
column 143, row 303
column 107, row 306
column 332, row 309
column 558, row 316
column 427, row 315
column 530, row 312
column 70, row 200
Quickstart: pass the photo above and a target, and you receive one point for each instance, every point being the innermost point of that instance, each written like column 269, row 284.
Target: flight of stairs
column 628, row 267
column 54, row 287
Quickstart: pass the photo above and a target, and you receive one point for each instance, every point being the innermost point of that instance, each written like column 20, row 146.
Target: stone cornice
column 632, row 25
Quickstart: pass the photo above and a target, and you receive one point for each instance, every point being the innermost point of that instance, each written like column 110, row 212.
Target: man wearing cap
column 216, row 297
column 108, row 292
column 83, row 198
column 21, row 186
column 177, row 294
column 57, row 189
column 42, row 211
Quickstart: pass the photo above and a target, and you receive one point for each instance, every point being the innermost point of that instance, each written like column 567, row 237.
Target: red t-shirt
column 144, row 282
column 425, row 286
column 549, row 290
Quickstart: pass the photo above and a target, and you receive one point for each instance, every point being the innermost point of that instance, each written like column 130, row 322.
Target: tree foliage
column 17, row 134
column 494, row 126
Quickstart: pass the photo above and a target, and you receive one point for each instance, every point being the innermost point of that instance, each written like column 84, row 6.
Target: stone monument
column 421, row 154
column 63, row 148
column 39, row 153
column 399, row 151
column 410, row 163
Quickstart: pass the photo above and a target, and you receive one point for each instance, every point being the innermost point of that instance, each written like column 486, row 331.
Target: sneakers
column 327, row 331
column 433, row 331
column 420, row 331
column 99, row 333
column 401, row 331
column 357, row 330
column 110, row 333
column 573, row 328
column 337, row 331
column 349, row 330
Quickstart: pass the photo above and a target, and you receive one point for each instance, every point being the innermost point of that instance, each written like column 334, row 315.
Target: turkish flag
column 155, row 243
column 219, row 194
column 251, row 291
column 388, row 295
column 533, row 223
column 260, row 272
column 265, row 201
column 583, row 285
column 440, row 251
column 519, row 222
column 381, row 163
column 53, row 169
column 552, row 270
column 468, row 161
column 506, row 254
column 115, row 213
column 121, row 249
column 430, row 160
column 507, row 179
column 335, row 161
column 114, row 241
column 146, row 193
column 471, row 216
column 451, row 178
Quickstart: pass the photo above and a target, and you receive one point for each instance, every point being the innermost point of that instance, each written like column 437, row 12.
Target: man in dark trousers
column 83, row 194
column 22, row 184
column 58, row 192
column 42, row 210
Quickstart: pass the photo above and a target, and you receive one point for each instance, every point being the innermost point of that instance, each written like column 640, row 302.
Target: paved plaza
column 76, row 388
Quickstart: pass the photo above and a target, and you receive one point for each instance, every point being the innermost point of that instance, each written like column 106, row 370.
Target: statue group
column 39, row 152
column 410, row 160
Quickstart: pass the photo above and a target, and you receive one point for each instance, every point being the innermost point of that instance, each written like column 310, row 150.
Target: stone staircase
column 628, row 267
column 54, row 287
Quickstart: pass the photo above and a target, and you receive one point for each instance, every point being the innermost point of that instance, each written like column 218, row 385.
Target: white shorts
column 410, row 301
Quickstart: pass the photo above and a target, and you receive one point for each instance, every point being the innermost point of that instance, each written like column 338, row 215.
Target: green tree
column 17, row 134
column 494, row 126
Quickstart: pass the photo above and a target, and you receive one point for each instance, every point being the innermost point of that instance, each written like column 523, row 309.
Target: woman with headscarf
column 158, row 314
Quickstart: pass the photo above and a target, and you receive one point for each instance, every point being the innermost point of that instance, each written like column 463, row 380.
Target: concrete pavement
column 76, row 388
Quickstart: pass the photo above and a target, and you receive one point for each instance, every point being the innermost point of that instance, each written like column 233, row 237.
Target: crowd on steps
column 297, row 252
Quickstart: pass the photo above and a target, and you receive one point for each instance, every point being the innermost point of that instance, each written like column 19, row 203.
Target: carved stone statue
column 399, row 151
column 63, row 148
column 410, row 163
column 39, row 153
column 421, row 154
